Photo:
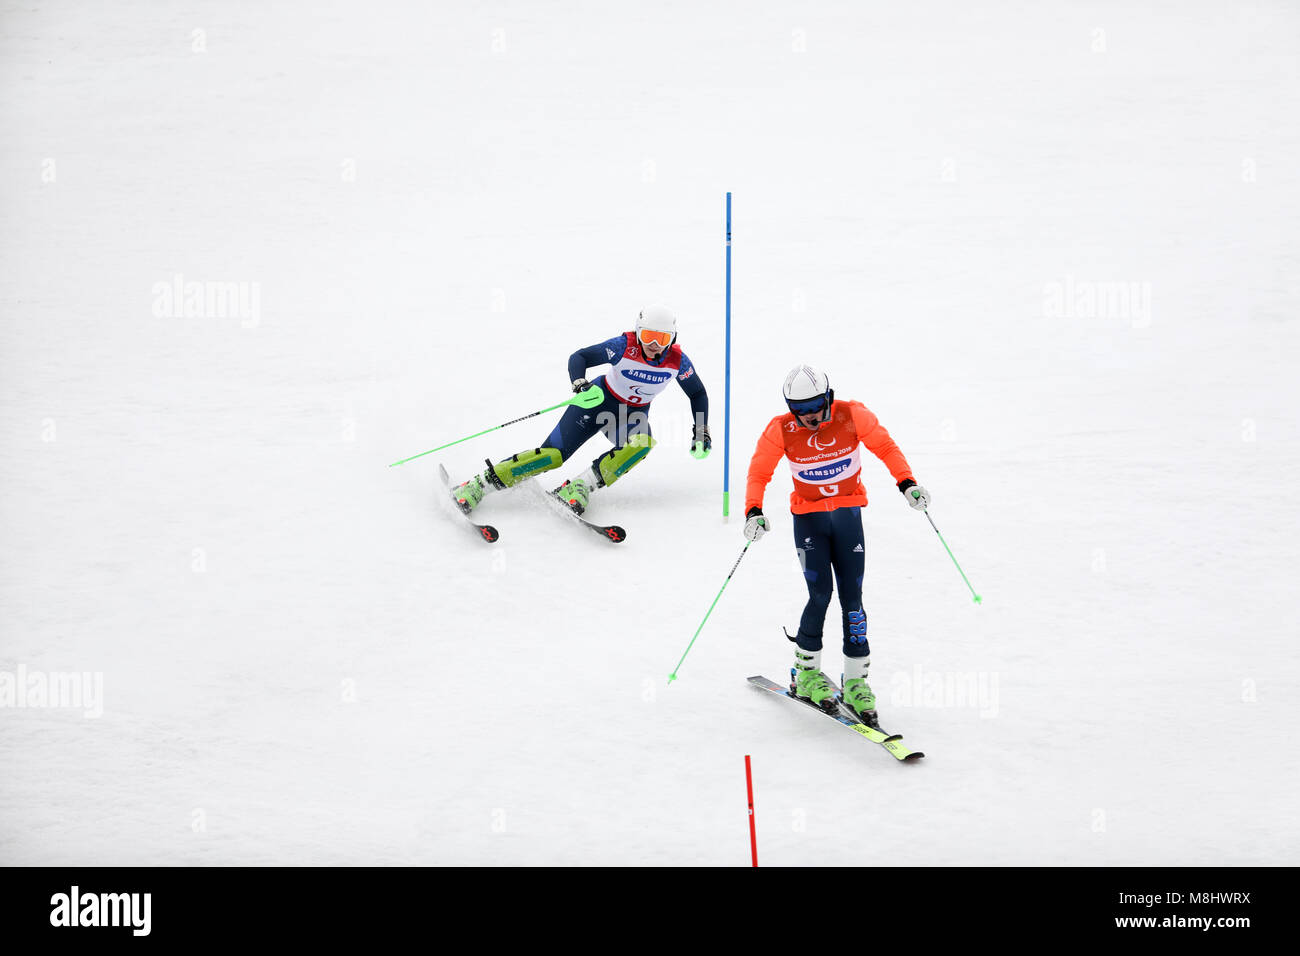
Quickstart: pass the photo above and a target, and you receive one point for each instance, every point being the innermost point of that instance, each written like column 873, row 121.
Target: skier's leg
column 632, row 442
column 505, row 474
column 617, row 462
column 604, row 471
column 509, row 472
column 629, row 430
column 812, row 541
column 575, row 426
column 849, row 559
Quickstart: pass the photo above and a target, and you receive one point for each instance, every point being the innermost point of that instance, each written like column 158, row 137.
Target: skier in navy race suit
column 643, row 362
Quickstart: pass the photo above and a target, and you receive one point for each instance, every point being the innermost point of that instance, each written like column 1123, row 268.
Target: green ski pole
column 589, row 398
column 978, row 599
column 673, row 676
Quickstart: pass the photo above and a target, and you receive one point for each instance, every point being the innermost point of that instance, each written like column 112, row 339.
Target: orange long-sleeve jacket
column 825, row 462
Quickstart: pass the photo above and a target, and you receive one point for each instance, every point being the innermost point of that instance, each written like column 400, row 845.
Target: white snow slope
column 1053, row 246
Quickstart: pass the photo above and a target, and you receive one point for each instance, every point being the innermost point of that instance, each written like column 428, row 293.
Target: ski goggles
column 650, row 337
column 808, row 406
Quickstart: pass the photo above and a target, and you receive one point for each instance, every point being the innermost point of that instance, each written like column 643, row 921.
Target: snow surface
column 306, row 657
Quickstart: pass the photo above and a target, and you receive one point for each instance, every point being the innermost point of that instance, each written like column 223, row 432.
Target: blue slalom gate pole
column 726, row 426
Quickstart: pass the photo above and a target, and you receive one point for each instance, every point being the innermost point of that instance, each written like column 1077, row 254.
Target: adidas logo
column 857, row 548
column 609, row 352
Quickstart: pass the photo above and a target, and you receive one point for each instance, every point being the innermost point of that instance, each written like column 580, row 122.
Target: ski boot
column 857, row 694
column 469, row 494
column 809, row 683
column 575, row 494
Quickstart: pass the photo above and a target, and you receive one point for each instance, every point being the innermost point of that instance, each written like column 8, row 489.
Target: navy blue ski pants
column 831, row 542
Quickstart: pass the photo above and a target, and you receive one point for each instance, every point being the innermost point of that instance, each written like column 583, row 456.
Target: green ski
column 891, row 742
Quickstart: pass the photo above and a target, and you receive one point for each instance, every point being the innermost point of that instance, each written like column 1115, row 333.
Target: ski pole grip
column 588, row 398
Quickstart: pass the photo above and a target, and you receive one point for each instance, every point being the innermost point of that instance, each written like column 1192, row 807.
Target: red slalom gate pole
column 753, row 836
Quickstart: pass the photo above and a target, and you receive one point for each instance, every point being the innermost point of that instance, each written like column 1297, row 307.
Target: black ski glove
column 919, row 499
column 701, row 443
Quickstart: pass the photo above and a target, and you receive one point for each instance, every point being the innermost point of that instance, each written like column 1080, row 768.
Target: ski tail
column 610, row 532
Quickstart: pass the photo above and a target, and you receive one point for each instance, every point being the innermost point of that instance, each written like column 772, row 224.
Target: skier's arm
column 690, row 382
column 769, row 450
column 878, row 442
column 593, row 355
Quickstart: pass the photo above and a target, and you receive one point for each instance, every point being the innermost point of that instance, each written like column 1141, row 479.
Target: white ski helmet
column 807, row 390
column 657, row 318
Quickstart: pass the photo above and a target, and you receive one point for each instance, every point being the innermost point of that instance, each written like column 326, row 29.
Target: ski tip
column 913, row 757
column 978, row 599
column 489, row 533
column 615, row 533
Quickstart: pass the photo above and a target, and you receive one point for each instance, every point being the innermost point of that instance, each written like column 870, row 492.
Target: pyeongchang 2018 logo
column 646, row 375
column 825, row 472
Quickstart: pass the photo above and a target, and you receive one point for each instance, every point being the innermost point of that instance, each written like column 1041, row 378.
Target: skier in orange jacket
column 821, row 438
